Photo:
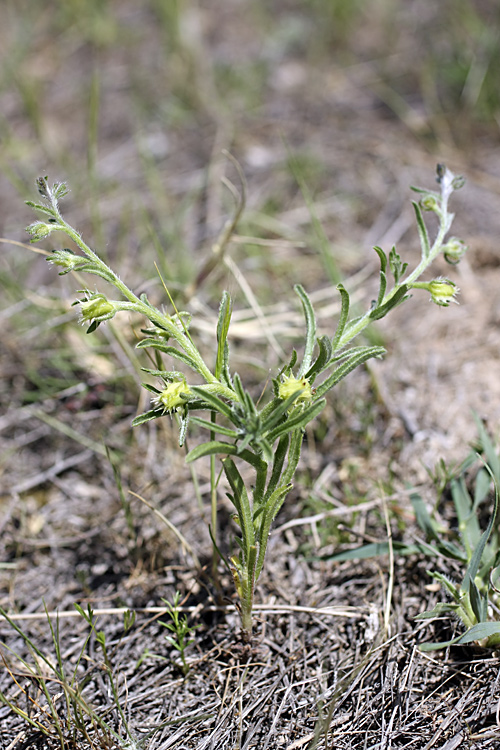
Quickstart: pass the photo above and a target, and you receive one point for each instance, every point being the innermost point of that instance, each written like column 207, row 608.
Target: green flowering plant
column 266, row 435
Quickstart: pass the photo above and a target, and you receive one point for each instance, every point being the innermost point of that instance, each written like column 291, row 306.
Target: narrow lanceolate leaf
column 478, row 603
column 214, row 427
column 468, row 523
column 397, row 298
column 269, row 514
column 278, row 412
column 43, row 209
column 219, row 447
column 324, row 356
column 488, row 448
column 383, row 277
column 422, row 231
column 225, row 310
column 279, row 459
column 298, row 421
column 361, row 356
column 478, row 552
column 216, row 403
column 147, row 417
column 241, row 503
column 375, row 549
column 170, row 350
column 310, row 329
column 344, row 314
column 480, row 631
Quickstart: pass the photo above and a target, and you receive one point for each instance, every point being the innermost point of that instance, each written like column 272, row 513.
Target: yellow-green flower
column 291, row 385
column 442, row 290
column 173, row 396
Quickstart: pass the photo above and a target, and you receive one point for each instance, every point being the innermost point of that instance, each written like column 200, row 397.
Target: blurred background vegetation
column 325, row 103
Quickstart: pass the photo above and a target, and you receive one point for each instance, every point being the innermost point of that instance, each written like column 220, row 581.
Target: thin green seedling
column 475, row 599
column 265, row 434
column 182, row 631
column 79, row 720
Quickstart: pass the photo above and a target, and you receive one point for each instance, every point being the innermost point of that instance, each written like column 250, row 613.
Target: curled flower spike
column 173, row 396
column 442, row 291
column 291, row 385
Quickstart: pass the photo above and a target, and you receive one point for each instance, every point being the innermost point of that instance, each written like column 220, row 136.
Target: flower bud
column 429, row 203
column 173, row 396
column 39, row 230
column 291, row 385
column 66, row 259
column 97, row 308
column 454, row 250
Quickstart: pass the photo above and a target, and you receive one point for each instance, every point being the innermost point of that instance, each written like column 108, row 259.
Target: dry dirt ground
column 133, row 104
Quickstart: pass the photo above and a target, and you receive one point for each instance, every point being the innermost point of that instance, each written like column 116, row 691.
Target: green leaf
column 423, row 518
column 298, row 421
column 171, row 351
column 280, row 409
column 344, row 314
column 270, row 511
column 242, row 505
column 362, row 355
column 219, row 447
column 223, row 322
column 396, row 265
column 450, row 587
column 310, row 329
column 183, row 427
column 441, row 608
column 214, row 427
column 397, row 298
column 383, row 278
column 324, row 356
column 375, row 549
column 488, row 448
column 147, row 417
column 479, row 604
column 481, row 487
column 43, row 209
column 422, row 231
column 151, row 388
column 480, row 631
column 478, row 552
column 216, row 403
column 212, row 448
column 279, row 460
column 468, row 523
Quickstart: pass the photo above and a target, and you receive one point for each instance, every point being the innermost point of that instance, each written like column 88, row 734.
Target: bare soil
column 334, row 662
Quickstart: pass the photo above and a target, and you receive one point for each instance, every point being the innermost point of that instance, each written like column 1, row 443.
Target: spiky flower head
column 173, row 397
column 291, row 385
column 442, row 291
column 95, row 308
